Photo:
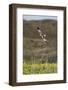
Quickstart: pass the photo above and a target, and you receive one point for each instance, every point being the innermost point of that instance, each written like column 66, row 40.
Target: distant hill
column 48, row 27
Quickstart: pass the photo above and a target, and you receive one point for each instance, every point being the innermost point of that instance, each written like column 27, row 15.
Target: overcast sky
column 38, row 17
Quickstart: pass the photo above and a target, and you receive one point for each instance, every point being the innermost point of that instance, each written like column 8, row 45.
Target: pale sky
column 38, row 17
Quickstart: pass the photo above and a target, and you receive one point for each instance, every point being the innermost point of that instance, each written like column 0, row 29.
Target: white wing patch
column 42, row 35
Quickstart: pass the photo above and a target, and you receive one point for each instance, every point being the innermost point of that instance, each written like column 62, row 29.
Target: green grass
column 39, row 68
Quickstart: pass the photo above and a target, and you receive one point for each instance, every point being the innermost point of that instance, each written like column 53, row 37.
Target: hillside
column 47, row 26
column 33, row 43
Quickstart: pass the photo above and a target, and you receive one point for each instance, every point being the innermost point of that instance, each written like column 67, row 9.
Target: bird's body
column 43, row 36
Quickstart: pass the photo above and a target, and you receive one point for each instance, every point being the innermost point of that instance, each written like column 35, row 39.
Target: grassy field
column 39, row 68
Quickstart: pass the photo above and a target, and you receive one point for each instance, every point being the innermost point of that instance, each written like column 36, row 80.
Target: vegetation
column 39, row 57
column 39, row 68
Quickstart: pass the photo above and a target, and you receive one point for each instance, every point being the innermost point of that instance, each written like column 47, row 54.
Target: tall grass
column 39, row 68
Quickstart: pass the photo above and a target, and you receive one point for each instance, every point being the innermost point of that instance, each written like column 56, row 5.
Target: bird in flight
column 43, row 36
